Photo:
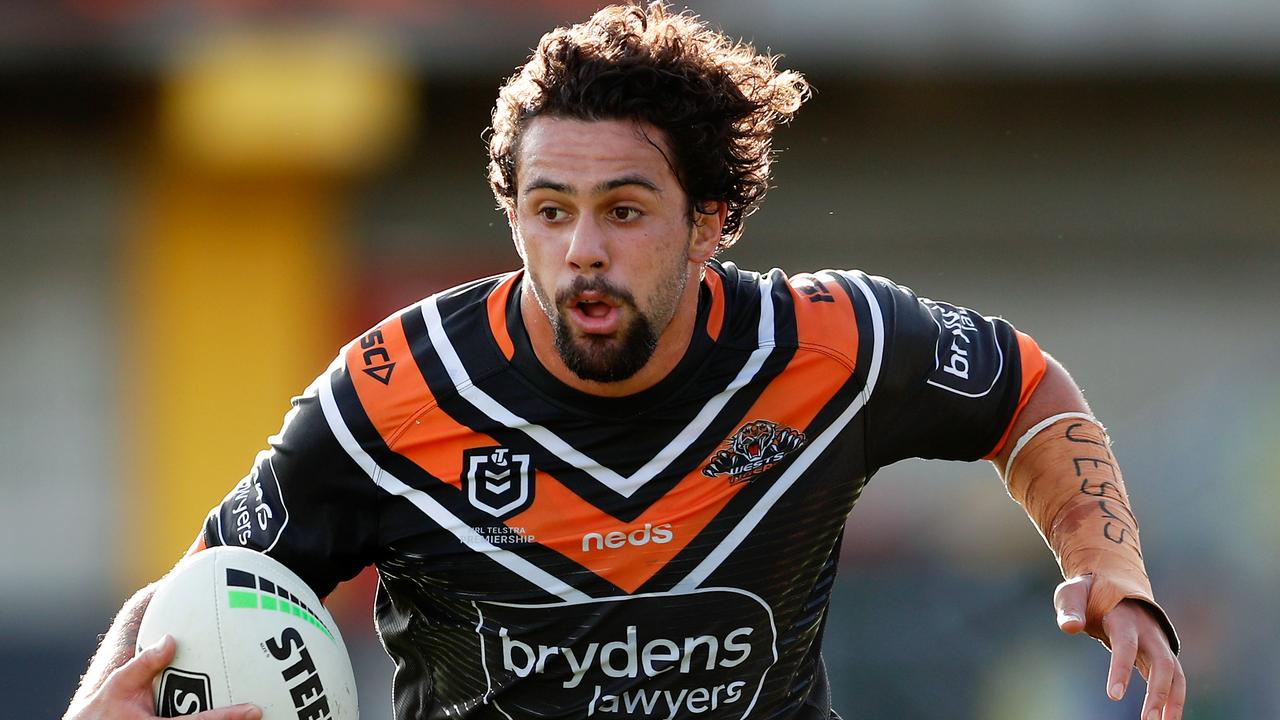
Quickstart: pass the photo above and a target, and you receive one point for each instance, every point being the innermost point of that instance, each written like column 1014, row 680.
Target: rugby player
column 613, row 482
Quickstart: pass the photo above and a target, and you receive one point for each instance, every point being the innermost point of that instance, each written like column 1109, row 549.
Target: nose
column 587, row 246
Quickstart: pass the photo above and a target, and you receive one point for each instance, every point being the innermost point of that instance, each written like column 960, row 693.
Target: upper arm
column 1056, row 393
column 952, row 381
column 305, row 502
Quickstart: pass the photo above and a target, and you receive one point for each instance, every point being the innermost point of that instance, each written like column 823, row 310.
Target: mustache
column 598, row 285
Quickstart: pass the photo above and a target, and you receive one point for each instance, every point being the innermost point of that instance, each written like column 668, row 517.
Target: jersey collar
column 525, row 362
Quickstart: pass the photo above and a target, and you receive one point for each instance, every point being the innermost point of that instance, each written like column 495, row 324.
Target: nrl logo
column 497, row 480
column 753, row 449
column 183, row 693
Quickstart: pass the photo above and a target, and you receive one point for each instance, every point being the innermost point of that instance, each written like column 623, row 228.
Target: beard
column 619, row 356
column 601, row 358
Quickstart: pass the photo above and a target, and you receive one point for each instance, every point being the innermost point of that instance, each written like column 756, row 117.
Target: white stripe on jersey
column 625, row 486
column 802, row 461
column 424, row 502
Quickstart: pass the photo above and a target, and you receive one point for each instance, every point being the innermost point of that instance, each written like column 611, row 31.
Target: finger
column 231, row 712
column 142, row 668
column 1070, row 600
column 1124, row 650
column 1177, row 694
column 1159, row 685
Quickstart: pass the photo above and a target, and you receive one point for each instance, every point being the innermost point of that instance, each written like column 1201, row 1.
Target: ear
column 515, row 233
column 706, row 232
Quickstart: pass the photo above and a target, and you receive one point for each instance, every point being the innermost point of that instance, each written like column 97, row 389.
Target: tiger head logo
column 753, row 449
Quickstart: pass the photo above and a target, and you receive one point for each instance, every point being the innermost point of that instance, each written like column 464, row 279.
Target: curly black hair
column 716, row 100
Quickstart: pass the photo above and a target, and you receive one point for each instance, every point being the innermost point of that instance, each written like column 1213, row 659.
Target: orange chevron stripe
column 497, row 309
column 562, row 521
column 824, row 316
column 402, row 409
column 436, row 443
column 386, row 378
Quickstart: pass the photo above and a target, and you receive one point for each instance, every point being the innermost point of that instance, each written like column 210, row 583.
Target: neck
column 672, row 345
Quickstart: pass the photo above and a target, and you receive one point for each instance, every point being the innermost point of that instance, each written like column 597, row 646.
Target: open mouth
column 594, row 308
column 595, row 314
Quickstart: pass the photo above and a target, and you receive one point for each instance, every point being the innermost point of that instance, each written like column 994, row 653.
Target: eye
column 552, row 213
column 624, row 213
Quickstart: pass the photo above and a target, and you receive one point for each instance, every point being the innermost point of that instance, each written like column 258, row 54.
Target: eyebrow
column 540, row 183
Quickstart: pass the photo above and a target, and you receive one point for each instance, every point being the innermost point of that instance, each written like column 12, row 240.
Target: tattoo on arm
column 1098, row 478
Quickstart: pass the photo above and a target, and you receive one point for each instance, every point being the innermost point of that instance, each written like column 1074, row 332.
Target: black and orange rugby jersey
column 544, row 553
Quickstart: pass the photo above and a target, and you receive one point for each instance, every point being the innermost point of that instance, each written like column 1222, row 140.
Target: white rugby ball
column 247, row 630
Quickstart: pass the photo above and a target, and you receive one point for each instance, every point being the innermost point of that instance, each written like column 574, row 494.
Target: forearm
column 117, row 645
column 1064, row 475
column 1071, row 486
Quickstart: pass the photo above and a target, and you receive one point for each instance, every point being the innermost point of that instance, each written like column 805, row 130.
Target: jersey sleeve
column 305, row 502
column 951, row 383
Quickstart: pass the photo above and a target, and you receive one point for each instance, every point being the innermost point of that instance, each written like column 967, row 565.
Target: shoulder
column 828, row 310
column 376, row 351
column 384, row 376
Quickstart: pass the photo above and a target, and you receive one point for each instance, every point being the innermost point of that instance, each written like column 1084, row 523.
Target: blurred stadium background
column 203, row 198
